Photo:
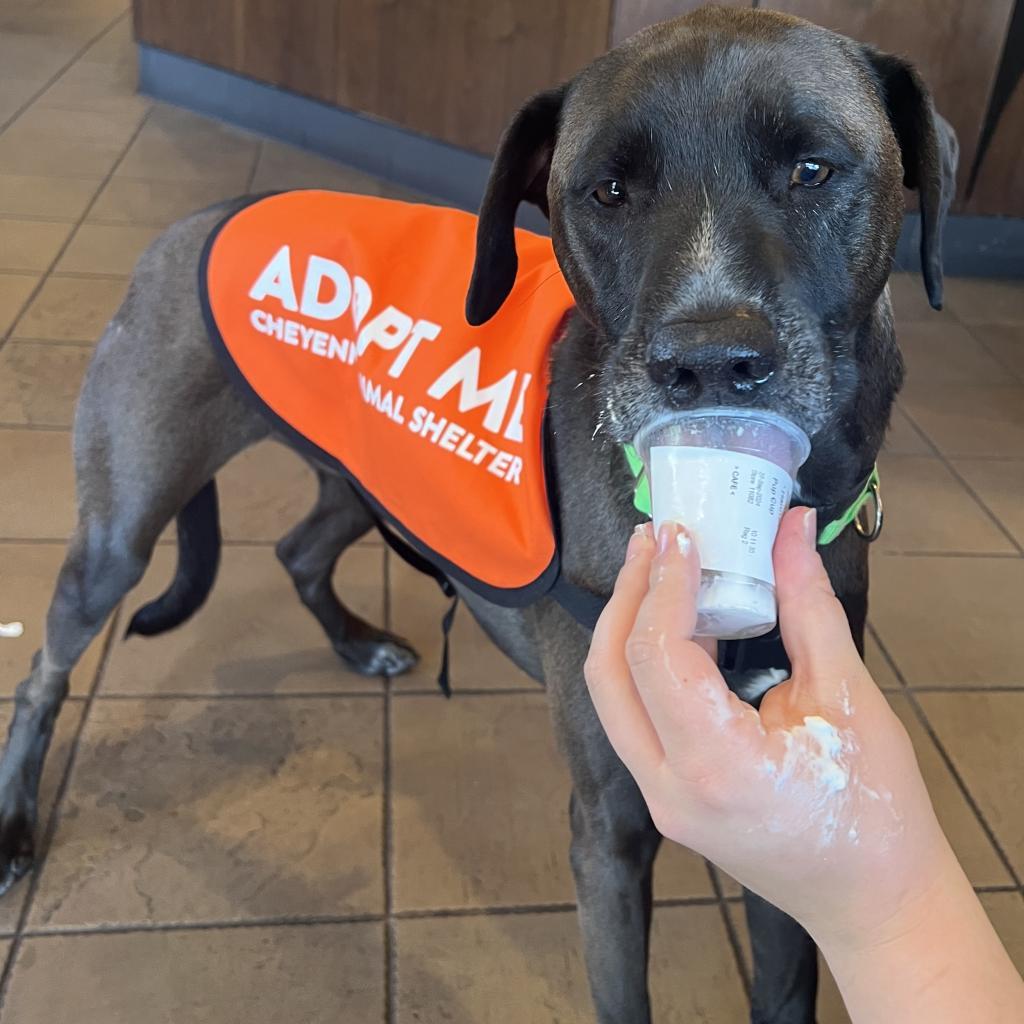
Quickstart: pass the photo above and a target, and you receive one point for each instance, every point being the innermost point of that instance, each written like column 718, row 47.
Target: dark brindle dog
column 725, row 195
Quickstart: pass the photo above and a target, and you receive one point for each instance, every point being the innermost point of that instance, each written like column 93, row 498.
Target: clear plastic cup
column 727, row 476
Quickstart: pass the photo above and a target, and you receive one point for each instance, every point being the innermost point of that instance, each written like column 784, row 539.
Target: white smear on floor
column 11, row 630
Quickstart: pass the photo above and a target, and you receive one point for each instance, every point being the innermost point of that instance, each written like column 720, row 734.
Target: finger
column 814, row 627
column 679, row 683
column 616, row 701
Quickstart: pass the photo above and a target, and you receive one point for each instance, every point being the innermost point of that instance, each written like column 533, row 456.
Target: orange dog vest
column 344, row 317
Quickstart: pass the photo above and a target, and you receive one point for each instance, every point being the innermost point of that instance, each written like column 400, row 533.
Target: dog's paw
column 17, row 848
column 385, row 655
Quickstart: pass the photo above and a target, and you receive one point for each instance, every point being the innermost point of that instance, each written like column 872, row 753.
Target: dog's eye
column 611, row 193
column 810, row 173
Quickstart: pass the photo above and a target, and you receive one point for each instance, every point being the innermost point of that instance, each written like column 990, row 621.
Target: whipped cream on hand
column 815, row 801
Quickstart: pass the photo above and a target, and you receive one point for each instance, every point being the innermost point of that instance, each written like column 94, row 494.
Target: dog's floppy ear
column 519, row 172
column 929, row 150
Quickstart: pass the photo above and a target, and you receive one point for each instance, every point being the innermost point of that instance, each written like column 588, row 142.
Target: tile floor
column 237, row 829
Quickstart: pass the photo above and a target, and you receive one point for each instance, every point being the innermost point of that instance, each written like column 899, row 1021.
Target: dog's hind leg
column 309, row 553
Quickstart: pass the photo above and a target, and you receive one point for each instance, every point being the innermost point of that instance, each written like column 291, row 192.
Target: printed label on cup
column 730, row 501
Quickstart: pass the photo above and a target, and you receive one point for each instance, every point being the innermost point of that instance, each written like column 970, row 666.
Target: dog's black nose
column 712, row 360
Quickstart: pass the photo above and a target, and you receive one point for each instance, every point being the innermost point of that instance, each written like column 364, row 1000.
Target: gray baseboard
column 974, row 246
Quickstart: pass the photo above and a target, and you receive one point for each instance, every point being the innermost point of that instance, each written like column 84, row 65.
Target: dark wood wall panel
column 630, row 16
column 999, row 187
column 290, row 44
column 956, row 44
column 457, row 70
column 208, row 30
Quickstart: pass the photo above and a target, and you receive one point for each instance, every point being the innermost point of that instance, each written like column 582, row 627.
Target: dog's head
column 725, row 196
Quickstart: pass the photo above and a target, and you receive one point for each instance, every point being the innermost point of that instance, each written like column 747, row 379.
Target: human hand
column 815, row 801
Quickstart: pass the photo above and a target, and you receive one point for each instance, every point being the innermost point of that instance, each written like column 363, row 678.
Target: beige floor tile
column 909, row 300
column 680, row 874
column 28, row 195
column 969, row 419
column 830, row 1002
column 72, row 309
column 264, row 492
column 36, row 55
column 224, row 810
column 97, row 88
column 878, row 665
column 945, row 352
column 1000, row 485
column 1006, row 911
column 106, row 249
column 480, row 800
column 28, row 574
column 1005, row 342
column 981, row 733
column 126, row 201
column 287, row 167
column 91, row 128
column 972, row 847
column 987, row 301
column 40, row 381
column 24, row 152
column 480, row 804
column 950, row 621
column 316, row 975
column 16, row 95
column 417, row 607
column 528, row 969
column 176, row 145
column 37, row 484
column 28, row 245
column 902, row 438
column 13, row 900
column 928, row 509
column 14, row 291
column 253, row 636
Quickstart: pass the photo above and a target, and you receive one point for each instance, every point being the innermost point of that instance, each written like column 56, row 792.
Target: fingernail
column 643, row 536
column 666, row 535
column 811, row 528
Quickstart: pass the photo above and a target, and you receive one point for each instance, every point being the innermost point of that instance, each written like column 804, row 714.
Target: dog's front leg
column 613, row 838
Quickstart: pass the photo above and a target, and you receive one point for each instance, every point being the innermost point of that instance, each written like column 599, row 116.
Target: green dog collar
column 871, row 489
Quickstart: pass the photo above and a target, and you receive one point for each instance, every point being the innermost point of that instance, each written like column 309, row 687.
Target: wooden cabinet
column 457, row 69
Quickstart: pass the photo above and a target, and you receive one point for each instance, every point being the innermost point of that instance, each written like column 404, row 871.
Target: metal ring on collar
column 876, row 528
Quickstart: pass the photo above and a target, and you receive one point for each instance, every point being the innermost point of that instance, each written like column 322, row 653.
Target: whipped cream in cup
column 727, row 476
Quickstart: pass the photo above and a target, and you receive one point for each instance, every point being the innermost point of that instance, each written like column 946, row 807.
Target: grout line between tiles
column 313, row 921
column 63, row 70
column 947, row 462
column 87, row 275
column 104, row 181
column 948, row 761
column 319, row 920
column 214, row 697
column 55, row 342
column 251, row 176
column 38, row 428
column 46, row 834
column 730, row 929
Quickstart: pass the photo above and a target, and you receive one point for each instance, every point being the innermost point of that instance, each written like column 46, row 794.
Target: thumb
column 811, row 619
